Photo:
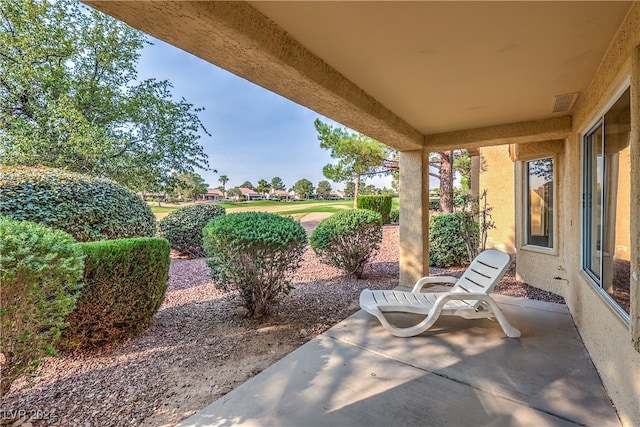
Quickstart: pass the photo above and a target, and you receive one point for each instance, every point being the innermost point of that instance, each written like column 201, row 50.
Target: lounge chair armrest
column 431, row 280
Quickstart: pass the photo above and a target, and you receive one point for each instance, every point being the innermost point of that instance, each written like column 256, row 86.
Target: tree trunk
column 356, row 191
column 446, row 181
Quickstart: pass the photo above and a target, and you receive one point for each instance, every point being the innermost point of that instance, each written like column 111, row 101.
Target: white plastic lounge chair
column 468, row 298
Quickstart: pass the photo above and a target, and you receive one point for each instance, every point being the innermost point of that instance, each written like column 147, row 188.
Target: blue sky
column 255, row 134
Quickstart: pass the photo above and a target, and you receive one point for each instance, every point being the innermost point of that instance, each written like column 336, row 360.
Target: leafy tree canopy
column 263, row 187
column 277, row 183
column 69, row 98
column 323, row 190
column 358, row 155
column 191, row 185
column 350, row 189
column 247, row 184
column 303, row 188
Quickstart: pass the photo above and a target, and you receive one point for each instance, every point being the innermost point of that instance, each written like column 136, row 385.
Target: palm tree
column 223, row 179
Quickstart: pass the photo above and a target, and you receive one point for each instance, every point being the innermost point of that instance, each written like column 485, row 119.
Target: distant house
column 336, row 195
column 213, row 195
column 250, row 194
column 280, row 194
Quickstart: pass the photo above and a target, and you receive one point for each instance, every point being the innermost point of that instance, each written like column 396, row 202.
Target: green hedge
column 125, row 282
column 376, row 203
column 394, row 216
column 183, row 227
column 348, row 240
column 40, row 275
column 255, row 253
column 87, row 208
column 434, row 203
column 447, row 245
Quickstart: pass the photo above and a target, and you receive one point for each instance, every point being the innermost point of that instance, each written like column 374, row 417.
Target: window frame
column 597, row 123
column 527, row 212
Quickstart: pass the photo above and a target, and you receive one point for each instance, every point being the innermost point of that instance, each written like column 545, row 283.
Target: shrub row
column 40, row 276
column 183, row 227
column 124, row 285
column 376, row 203
column 394, row 216
column 87, row 208
column 447, row 245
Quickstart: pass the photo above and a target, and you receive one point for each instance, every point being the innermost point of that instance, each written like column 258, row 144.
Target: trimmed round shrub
column 255, row 253
column 88, row 208
column 447, row 244
column 183, row 227
column 348, row 240
column 124, row 285
column 40, row 275
column 376, row 203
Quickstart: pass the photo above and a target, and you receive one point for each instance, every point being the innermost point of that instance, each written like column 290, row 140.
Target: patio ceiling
column 401, row 72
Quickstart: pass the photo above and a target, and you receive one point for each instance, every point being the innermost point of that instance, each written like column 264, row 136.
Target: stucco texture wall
column 497, row 177
column 609, row 338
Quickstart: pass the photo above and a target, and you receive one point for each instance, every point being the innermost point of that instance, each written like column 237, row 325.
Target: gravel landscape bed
column 199, row 347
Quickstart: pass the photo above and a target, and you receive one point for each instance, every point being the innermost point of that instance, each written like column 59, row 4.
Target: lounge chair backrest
column 484, row 273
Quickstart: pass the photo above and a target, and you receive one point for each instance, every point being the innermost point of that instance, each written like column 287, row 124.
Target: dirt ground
column 199, row 346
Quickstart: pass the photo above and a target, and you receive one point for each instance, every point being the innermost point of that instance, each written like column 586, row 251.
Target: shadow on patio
column 460, row 373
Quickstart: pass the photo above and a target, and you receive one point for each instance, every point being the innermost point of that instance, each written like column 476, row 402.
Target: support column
column 414, row 216
column 475, row 172
column 634, row 140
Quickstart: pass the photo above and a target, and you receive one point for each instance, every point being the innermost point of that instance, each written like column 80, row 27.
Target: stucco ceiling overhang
column 406, row 73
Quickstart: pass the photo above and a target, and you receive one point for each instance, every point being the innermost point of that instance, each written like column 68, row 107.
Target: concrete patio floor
column 460, row 373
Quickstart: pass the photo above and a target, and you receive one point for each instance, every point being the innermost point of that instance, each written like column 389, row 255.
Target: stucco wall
column 497, row 177
column 607, row 336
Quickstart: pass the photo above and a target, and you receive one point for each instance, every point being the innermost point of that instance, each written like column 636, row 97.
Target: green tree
column 247, row 184
column 323, row 190
column 191, row 185
column 370, row 190
column 263, row 187
column 303, row 188
column 350, row 189
column 223, row 179
column 442, row 166
column 359, row 156
column 277, row 183
column 234, row 193
column 462, row 165
column 69, row 98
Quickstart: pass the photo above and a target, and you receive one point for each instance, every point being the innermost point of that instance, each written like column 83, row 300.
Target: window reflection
column 540, row 202
column 607, row 191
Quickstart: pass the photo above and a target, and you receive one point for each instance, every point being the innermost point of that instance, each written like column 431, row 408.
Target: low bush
column 183, row 227
column 40, row 275
column 348, row 240
column 434, row 203
column 255, row 253
column 394, row 216
column 447, row 244
column 88, row 208
column 376, row 203
column 124, row 285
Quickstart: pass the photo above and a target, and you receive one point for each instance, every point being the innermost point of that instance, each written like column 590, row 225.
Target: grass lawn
column 283, row 208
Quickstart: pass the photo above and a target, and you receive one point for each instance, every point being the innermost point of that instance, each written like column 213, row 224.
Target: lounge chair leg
column 508, row 329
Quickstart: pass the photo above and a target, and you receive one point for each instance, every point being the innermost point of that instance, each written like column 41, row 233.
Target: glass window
column 606, row 202
column 540, row 202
